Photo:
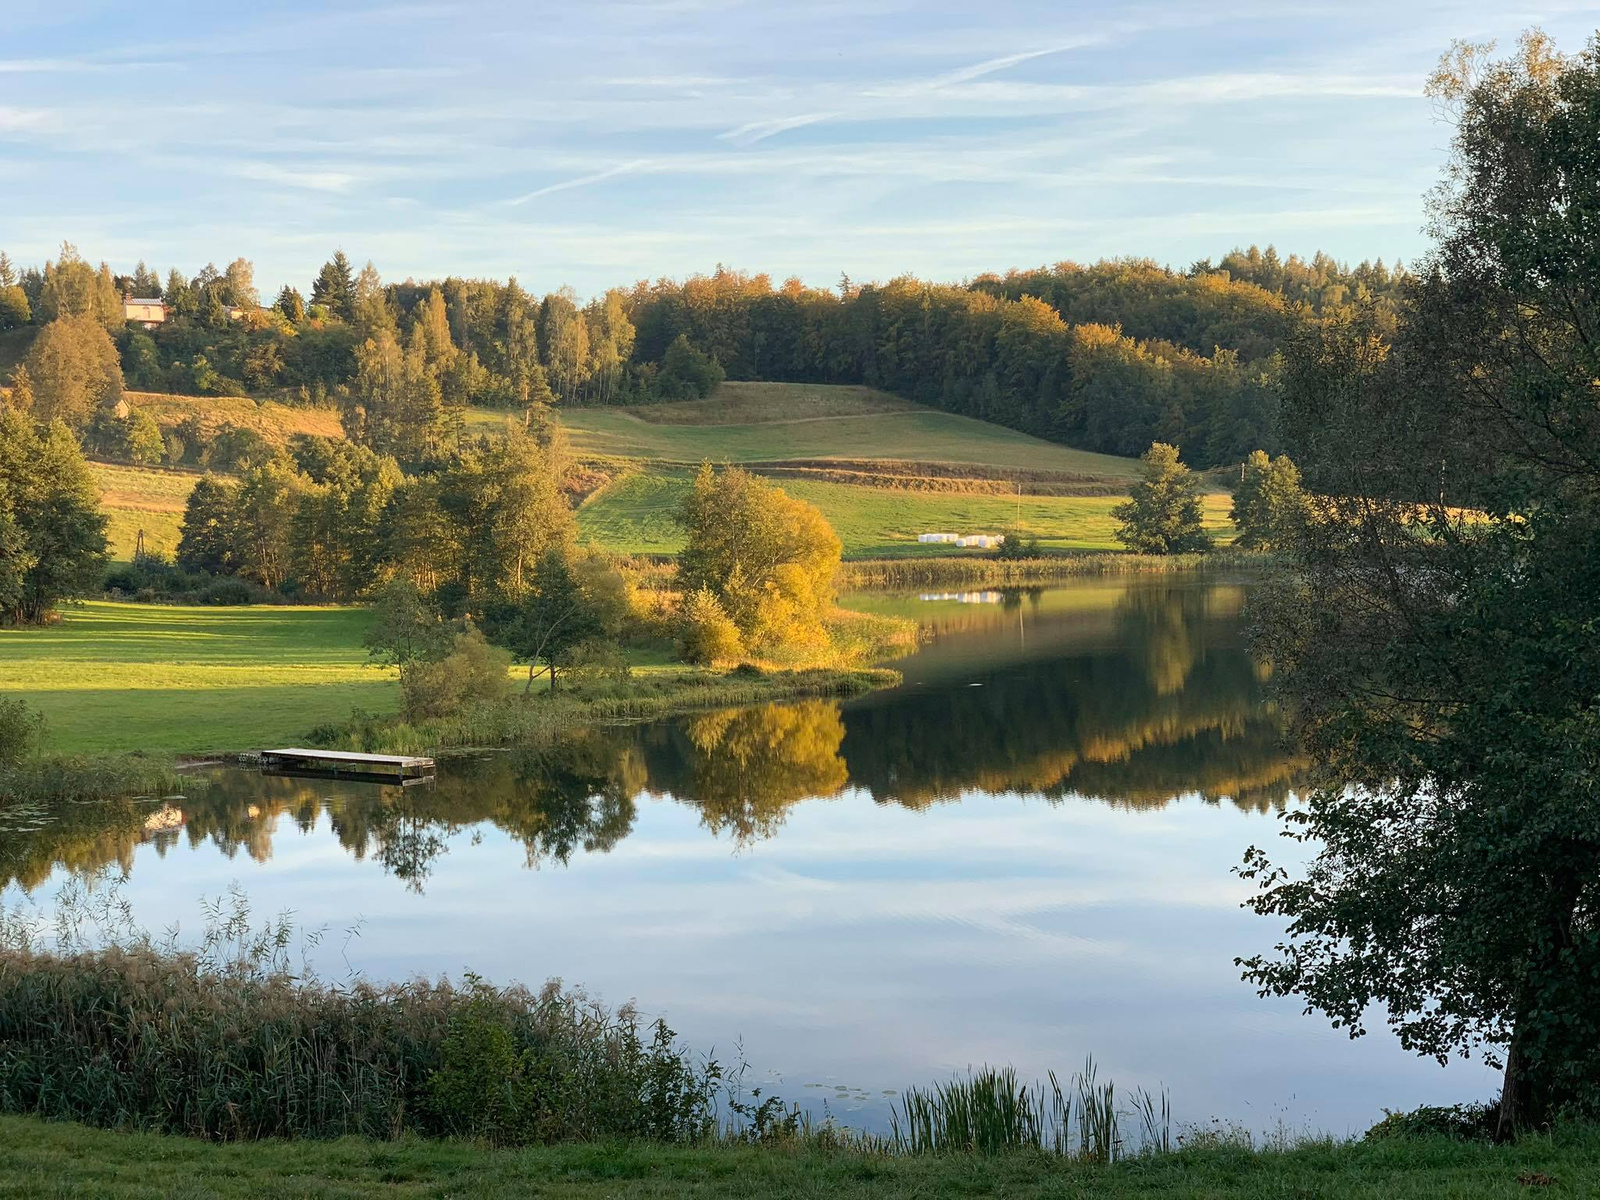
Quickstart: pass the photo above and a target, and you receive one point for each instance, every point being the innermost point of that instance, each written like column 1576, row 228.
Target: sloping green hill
column 768, row 422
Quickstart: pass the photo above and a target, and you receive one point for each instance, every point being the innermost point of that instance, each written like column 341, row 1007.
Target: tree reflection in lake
column 1127, row 694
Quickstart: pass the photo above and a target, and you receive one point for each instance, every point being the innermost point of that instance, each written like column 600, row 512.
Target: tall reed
column 992, row 1111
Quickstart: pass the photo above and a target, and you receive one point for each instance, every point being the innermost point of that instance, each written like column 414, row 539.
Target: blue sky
column 595, row 143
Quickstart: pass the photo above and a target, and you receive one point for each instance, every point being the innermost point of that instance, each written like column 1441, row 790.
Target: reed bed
column 991, row 1111
column 921, row 572
column 229, row 1041
column 84, row 778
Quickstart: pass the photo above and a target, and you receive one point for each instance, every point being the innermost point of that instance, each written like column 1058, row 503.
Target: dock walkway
column 347, row 764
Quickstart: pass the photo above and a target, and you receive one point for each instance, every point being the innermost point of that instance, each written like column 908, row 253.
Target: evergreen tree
column 180, row 297
column 206, row 543
column 146, row 283
column 8, row 272
column 291, row 305
column 334, row 288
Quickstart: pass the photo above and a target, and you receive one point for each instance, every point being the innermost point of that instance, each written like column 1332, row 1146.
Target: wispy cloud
column 26, row 120
column 756, row 131
column 56, row 66
column 627, row 168
column 316, row 179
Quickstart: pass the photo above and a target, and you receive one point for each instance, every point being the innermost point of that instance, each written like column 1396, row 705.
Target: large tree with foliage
column 1269, row 505
column 574, row 601
column 75, row 371
column 1162, row 514
column 770, row 559
column 50, row 519
column 1437, row 647
column 206, row 541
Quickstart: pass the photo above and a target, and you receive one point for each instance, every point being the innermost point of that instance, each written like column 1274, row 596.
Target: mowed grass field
column 147, row 498
column 634, row 515
column 750, row 423
column 122, row 677
column 919, row 436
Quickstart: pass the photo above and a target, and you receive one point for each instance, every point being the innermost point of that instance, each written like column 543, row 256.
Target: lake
column 1022, row 855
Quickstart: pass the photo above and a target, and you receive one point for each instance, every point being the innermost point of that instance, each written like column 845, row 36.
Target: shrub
column 227, row 591
column 706, row 634
column 1464, row 1122
column 21, row 731
column 473, row 672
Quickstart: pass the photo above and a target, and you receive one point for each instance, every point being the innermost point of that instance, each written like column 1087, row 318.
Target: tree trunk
column 1514, row 1092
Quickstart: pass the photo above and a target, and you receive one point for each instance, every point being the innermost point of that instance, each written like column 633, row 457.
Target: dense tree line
column 1110, row 357
column 331, row 519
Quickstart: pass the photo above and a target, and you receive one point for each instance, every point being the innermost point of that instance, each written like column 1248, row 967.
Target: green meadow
column 634, row 515
column 769, row 422
column 739, row 423
column 147, row 498
column 51, row 1161
column 111, row 678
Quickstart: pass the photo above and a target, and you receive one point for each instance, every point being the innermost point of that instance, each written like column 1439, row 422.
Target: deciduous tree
column 1162, row 514
column 1436, row 647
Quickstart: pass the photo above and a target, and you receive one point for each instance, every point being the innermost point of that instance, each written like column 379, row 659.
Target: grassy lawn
column 44, row 1161
column 742, row 403
column 634, row 516
column 120, row 677
column 918, row 435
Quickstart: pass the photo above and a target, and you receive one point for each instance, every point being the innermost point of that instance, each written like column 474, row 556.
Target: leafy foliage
column 1163, row 513
column 1270, row 507
column 52, row 533
column 770, row 560
column 1437, row 649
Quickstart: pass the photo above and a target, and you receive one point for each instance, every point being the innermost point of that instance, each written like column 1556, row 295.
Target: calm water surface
column 1020, row 856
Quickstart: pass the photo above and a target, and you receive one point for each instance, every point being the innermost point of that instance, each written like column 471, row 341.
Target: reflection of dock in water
column 985, row 597
column 402, row 769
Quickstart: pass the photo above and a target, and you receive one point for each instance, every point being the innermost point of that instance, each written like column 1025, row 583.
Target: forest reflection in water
column 1128, row 694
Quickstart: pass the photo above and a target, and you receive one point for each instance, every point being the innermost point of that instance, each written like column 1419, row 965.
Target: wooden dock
column 403, row 769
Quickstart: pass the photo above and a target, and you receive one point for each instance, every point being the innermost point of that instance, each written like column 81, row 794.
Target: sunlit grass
column 635, row 515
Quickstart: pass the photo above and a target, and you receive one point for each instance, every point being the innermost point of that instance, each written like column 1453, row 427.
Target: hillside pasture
column 767, row 422
column 147, row 498
column 634, row 515
column 276, row 422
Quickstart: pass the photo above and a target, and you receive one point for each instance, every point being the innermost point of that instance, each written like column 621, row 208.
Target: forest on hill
column 1107, row 357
